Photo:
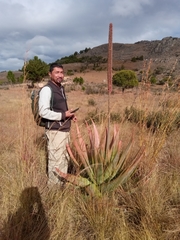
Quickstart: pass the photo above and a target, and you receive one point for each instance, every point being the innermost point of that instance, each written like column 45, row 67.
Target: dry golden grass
column 147, row 208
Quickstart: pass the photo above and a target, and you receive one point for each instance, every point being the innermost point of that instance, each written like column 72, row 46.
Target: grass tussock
column 147, row 206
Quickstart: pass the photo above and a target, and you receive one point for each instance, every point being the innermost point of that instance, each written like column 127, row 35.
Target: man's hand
column 69, row 114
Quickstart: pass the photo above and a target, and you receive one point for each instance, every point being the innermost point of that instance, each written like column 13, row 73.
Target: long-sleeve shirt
column 44, row 105
column 52, row 107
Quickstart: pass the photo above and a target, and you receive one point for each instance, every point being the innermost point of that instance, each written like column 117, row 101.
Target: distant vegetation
column 134, row 59
column 125, row 79
column 12, row 79
column 35, row 69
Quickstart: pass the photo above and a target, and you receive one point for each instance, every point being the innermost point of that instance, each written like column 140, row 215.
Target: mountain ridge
column 164, row 54
column 166, row 46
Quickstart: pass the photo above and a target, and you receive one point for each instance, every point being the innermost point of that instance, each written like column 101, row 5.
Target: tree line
column 36, row 69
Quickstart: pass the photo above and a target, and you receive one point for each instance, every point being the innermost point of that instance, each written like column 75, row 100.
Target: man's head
column 56, row 73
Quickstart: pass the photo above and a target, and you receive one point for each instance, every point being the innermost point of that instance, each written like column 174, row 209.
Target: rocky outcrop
column 167, row 47
column 163, row 53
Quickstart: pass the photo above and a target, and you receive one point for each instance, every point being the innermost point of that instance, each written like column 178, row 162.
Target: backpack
column 35, row 107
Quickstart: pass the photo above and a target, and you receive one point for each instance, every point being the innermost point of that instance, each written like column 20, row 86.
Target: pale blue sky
column 57, row 28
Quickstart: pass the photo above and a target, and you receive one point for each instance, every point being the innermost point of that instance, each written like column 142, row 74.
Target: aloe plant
column 101, row 163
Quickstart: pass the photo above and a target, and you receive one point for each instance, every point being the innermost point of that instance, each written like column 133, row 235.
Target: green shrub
column 134, row 115
column 10, row 76
column 125, row 79
column 115, row 117
column 153, row 80
column 96, row 89
column 70, row 72
column 78, row 80
column 162, row 120
column 96, row 116
column 91, row 102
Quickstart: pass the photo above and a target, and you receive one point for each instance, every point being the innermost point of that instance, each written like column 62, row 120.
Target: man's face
column 57, row 75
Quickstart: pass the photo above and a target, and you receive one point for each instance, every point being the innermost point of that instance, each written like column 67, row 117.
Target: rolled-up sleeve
column 44, row 105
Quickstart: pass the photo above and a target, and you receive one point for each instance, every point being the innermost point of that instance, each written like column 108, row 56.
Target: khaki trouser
column 57, row 155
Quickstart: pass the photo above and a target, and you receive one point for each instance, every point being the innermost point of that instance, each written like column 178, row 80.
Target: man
column 53, row 108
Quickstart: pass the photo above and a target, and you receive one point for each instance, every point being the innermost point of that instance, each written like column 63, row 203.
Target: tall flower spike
column 110, row 48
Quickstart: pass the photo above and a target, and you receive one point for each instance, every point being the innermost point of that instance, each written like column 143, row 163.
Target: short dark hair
column 53, row 65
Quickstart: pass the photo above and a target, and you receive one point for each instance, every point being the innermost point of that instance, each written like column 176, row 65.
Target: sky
column 52, row 29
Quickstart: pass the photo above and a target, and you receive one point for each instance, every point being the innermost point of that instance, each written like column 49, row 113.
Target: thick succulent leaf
column 71, row 155
column 114, row 137
column 80, row 139
column 103, row 145
column 123, row 176
column 98, row 169
column 120, row 159
column 93, row 191
column 111, row 168
column 105, row 174
column 106, row 169
column 76, row 180
column 90, row 135
column 107, row 144
column 82, row 152
column 79, row 181
column 96, row 136
column 84, row 158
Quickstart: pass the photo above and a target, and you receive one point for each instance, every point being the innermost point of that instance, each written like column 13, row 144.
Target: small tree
column 36, row 69
column 125, row 79
column 10, row 76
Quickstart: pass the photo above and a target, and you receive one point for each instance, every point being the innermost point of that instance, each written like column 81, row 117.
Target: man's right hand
column 69, row 114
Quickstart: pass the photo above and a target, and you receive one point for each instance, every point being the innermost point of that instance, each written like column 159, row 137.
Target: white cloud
column 129, row 8
column 11, row 64
column 39, row 41
column 54, row 29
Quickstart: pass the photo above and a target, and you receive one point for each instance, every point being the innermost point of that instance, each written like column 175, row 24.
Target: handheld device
column 73, row 111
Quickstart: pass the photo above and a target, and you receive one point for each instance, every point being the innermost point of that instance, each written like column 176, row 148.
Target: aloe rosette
column 101, row 163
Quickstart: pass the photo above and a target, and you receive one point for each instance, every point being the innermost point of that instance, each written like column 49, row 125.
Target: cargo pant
column 57, row 155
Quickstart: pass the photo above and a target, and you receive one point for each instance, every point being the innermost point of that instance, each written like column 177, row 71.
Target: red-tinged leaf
column 127, row 172
column 113, row 137
column 79, row 181
column 90, row 135
column 96, row 136
column 80, row 139
column 119, row 160
column 83, row 155
column 138, row 156
column 85, row 161
column 103, row 144
column 79, row 145
column 76, row 180
column 106, row 143
column 71, row 155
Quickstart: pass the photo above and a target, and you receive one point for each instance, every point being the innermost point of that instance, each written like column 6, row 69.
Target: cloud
column 9, row 62
column 129, row 8
column 54, row 29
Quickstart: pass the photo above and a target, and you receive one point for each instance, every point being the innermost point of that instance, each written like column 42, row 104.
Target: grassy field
column 147, row 206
